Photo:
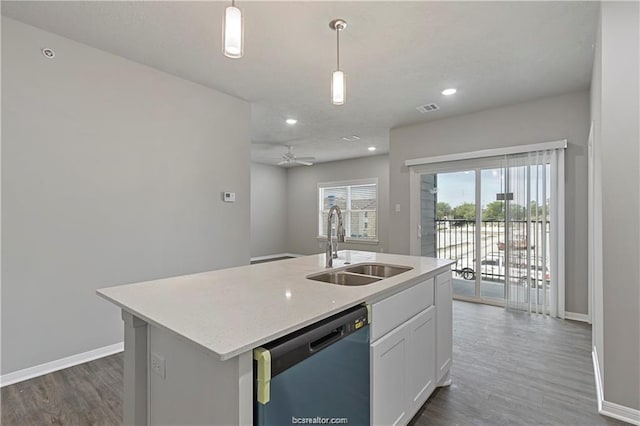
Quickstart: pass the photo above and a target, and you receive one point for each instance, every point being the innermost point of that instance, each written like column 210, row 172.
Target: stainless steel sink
column 343, row 278
column 378, row 269
column 360, row 274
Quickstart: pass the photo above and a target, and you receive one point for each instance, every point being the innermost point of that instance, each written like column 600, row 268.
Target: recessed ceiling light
column 291, row 121
column 449, row 92
column 372, row 148
column 352, row 138
column 48, row 53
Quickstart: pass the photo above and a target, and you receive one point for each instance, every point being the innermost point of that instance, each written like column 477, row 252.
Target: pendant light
column 233, row 32
column 338, row 89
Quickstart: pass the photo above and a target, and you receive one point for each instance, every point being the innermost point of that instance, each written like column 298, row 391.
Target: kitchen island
column 189, row 339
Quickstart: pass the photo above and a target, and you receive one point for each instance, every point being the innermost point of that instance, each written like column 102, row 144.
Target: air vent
column 428, row 108
column 351, row 138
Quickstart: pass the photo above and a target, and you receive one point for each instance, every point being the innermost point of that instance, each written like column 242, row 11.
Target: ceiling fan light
column 337, row 88
column 233, row 32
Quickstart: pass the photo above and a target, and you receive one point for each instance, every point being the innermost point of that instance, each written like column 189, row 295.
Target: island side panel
column 194, row 387
column 134, row 407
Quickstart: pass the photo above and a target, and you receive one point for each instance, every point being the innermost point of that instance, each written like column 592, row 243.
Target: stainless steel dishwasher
column 317, row 375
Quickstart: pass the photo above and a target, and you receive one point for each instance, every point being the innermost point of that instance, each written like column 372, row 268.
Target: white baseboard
column 611, row 409
column 59, row 364
column 577, row 317
column 275, row 256
column 620, row 412
column 598, row 377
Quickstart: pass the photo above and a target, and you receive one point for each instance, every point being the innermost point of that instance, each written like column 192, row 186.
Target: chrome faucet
column 331, row 251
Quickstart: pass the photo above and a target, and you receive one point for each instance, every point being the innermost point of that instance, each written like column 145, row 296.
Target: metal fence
column 456, row 239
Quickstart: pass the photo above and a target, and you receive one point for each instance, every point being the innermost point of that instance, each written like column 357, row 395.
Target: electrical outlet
column 158, row 365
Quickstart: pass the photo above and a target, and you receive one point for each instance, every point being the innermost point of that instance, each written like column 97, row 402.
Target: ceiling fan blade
column 304, row 163
column 283, row 162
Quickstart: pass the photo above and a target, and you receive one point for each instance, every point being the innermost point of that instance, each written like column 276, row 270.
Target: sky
column 459, row 187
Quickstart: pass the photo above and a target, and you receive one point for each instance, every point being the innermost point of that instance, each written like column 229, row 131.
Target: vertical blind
column 534, row 225
column 359, row 206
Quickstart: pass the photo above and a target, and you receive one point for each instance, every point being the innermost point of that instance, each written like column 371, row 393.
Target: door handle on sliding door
column 419, row 231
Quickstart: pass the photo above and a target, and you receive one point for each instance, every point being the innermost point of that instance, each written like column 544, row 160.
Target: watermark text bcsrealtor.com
column 319, row 420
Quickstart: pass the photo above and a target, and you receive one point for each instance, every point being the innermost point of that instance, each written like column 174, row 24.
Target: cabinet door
column 444, row 324
column 421, row 358
column 388, row 383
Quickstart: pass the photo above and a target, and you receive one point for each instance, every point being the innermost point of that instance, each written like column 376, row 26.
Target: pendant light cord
column 338, row 48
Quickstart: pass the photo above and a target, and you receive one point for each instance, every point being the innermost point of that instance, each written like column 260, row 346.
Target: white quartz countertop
column 231, row 311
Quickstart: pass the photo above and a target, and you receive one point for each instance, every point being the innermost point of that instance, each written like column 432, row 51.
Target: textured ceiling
column 396, row 55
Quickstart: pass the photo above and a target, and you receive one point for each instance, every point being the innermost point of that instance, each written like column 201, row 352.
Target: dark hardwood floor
column 512, row 368
column 87, row 394
column 508, row 369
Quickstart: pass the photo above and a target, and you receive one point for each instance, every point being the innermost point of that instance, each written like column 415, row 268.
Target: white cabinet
column 421, row 358
column 444, row 325
column 397, row 309
column 410, row 349
column 403, row 354
column 403, row 370
column 388, row 378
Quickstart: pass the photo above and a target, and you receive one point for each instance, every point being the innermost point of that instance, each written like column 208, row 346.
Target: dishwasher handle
column 321, row 343
column 294, row 348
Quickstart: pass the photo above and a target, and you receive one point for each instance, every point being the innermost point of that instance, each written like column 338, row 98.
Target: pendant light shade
column 233, row 32
column 338, row 87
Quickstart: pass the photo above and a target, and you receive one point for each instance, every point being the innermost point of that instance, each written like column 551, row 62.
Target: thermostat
column 229, row 197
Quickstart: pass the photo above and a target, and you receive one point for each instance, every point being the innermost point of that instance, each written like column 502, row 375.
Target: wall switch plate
column 158, row 365
column 397, row 208
column 229, row 197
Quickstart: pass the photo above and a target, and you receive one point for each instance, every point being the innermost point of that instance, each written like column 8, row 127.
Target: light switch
column 229, row 197
column 397, row 208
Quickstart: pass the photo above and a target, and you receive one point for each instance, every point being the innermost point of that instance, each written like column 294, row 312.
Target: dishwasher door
column 318, row 375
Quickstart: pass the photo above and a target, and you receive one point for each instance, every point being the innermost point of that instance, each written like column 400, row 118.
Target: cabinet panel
column 397, row 309
column 444, row 324
column 421, row 358
column 388, row 384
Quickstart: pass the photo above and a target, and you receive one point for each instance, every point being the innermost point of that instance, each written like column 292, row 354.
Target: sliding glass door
column 448, row 223
column 494, row 217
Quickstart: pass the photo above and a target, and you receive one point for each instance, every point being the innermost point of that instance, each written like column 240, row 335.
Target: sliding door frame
column 493, row 158
column 476, row 166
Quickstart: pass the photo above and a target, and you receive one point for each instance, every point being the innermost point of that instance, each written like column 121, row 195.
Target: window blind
column 359, row 206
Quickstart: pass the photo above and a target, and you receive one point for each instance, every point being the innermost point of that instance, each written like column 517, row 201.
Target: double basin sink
column 360, row 274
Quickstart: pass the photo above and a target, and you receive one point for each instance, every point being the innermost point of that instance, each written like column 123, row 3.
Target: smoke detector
column 428, row 108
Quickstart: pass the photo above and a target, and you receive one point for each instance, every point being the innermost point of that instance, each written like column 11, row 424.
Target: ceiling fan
column 290, row 158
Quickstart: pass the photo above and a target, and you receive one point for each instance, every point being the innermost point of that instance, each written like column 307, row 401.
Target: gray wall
column 549, row 119
column 619, row 141
column 268, row 210
column 595, row 190
column 302, row 184
column 112, row 173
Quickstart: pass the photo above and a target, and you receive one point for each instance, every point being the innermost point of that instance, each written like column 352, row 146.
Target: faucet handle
column 340, row 233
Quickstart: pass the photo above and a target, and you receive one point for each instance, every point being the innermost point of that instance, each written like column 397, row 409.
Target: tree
column 466, row 211
column 494, row 211
column 517, row 212
column 443, row 210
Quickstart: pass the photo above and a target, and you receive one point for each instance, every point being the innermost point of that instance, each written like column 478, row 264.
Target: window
column 358, row 201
